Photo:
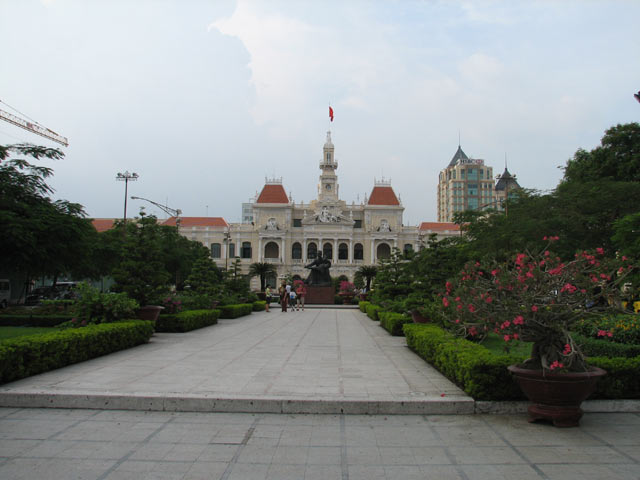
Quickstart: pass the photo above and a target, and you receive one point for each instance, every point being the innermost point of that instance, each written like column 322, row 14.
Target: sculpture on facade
column 319, row 275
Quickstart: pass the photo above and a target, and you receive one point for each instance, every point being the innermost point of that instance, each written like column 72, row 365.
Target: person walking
column 301, row 291
column 267, row 297
column 292, row 299
column 282, row 291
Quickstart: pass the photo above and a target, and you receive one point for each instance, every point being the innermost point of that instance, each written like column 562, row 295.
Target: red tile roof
column 382, row 195
column 197, row 222
column 439, row 226
column 103, row 224
column 273, row 194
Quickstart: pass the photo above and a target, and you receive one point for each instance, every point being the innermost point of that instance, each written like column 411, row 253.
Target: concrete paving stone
column 632, row 451
column 248, row 471
column 366, row 472
column 405, row 472
column 10, row 447
column 323, row 472
column 185, row 453
column 325, row 436
column 500, row 472
column 617, row 435
column 33, row 429
column 151, row 451
column 363, row 455
column 286, row 472
column 571, row 455
column 324, row 456
column 430, row 455
column 590, row 472
column 218, row 453
column 484, row 455
column 398, row 456
column 206, row 471
column 256, row 454
column 45, row 448
column 470, row 435
column 442, row 472
column 290, row 455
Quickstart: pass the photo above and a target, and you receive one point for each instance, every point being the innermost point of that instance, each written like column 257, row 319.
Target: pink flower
column 515, row 336
column 448, row 286
column 600, row 251
column 534, row 308
column 445, row 302
column 555, row 365
column 507, row 338
column 518, row 320
column 544, row 238
column 609, row 334
column 473, row 331
column 488, row 299
column 602, row 333
column 494, row 272
column 547, row 253
column 471, row 308
column 567, row 349
column 624, row 258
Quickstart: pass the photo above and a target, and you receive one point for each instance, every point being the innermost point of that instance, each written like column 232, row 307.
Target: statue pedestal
column 320, row 295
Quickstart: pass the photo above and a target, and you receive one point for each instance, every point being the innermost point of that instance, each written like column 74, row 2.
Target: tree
column 626, row 237
column 262, row 270
column 38, row 236
column 205, row 277
column 617, row 158
column 368, row 272
column 141, row 273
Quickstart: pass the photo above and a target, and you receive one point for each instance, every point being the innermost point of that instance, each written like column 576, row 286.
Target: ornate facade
column 289, row 234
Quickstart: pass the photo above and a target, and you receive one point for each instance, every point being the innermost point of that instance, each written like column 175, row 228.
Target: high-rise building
column 506, row 187
column 466, row 184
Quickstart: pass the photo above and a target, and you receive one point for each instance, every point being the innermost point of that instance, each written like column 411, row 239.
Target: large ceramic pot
column 149, row 312
column 556, row 396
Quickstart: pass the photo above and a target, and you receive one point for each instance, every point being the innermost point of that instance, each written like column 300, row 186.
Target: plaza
column 324, row 393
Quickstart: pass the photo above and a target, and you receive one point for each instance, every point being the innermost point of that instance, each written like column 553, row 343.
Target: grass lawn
column 12, row 332
column 495, row 343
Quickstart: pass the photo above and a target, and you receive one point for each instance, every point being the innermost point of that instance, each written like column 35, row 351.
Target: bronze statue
column 319, row 275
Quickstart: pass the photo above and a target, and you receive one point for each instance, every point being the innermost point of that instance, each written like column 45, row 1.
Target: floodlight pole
column 126, row 177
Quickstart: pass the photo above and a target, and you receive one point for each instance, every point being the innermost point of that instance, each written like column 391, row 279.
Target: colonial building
column 289, row 234
column 467, row 184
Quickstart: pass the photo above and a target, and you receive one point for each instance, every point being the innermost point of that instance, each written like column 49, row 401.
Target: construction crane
column 33, row 127
column 169, row 211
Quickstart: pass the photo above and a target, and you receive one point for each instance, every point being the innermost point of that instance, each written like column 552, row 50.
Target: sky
column 205, row 99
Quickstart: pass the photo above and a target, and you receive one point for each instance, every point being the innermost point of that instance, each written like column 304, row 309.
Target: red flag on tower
column 331, row 113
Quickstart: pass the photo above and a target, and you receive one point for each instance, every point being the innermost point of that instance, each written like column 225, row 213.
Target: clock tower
column 328, row 186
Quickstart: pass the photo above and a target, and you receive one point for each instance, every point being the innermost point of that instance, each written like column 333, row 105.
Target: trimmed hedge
column 259, row 305
column 372, row 311
column 186, row 321
column 483, row 375
column 33, row 320
column 25, row 356
column 594, row 347
column 363, row 306
column 393, row 322
column 235, row 311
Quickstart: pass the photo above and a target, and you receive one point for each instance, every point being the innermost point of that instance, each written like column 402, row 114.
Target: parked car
column 39, row 294
column 65, row 291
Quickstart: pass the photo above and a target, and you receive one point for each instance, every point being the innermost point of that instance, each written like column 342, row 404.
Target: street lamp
column 126, row 177
column 227, row 237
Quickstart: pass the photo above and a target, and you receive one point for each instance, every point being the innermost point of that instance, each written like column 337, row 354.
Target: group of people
column 292, row 297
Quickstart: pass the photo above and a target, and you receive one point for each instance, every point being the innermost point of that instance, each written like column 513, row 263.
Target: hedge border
column 363, row 306
column 235, row 311
column 372, row 311
column 186, row 321
column 393, row 322
column 25, row 356
column 483, row 375
column 260, row 306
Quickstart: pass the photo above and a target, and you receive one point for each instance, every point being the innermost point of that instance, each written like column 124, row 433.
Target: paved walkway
column 316, row 361
column 67, row 444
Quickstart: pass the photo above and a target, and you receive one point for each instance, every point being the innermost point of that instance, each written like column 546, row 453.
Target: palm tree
column 262, row 269
column 368, row 272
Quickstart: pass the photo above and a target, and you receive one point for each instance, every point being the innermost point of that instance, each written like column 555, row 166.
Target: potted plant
column 347, row 291
column 537, row 297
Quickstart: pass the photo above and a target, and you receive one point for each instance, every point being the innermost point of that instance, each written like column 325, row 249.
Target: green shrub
column 363, row 306
column 25, row 356
column 259, row 305
column 618, row 328
column 235, row 311
column 622, row 379
column 593, row 347
column 187, row 321
column 33, row 320
column 483, row 375
column 372, row 311
column 338, row 300
column 393, row 322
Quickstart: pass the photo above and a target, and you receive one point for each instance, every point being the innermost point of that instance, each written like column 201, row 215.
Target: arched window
column 271, row 250
column 232, row 250
column 383, row 251
column 407, row 248
column 358, row 252
column 296, row 251
column 246, row 250
column 343, row 251
column 327, row 251
column 215, row 250
column 312, row 251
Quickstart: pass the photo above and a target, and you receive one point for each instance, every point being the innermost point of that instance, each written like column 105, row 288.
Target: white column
column 260, row 252
column 350, row 253
column 304, row 251
column 335, row 249
column 284, row 250
column 373, row 252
